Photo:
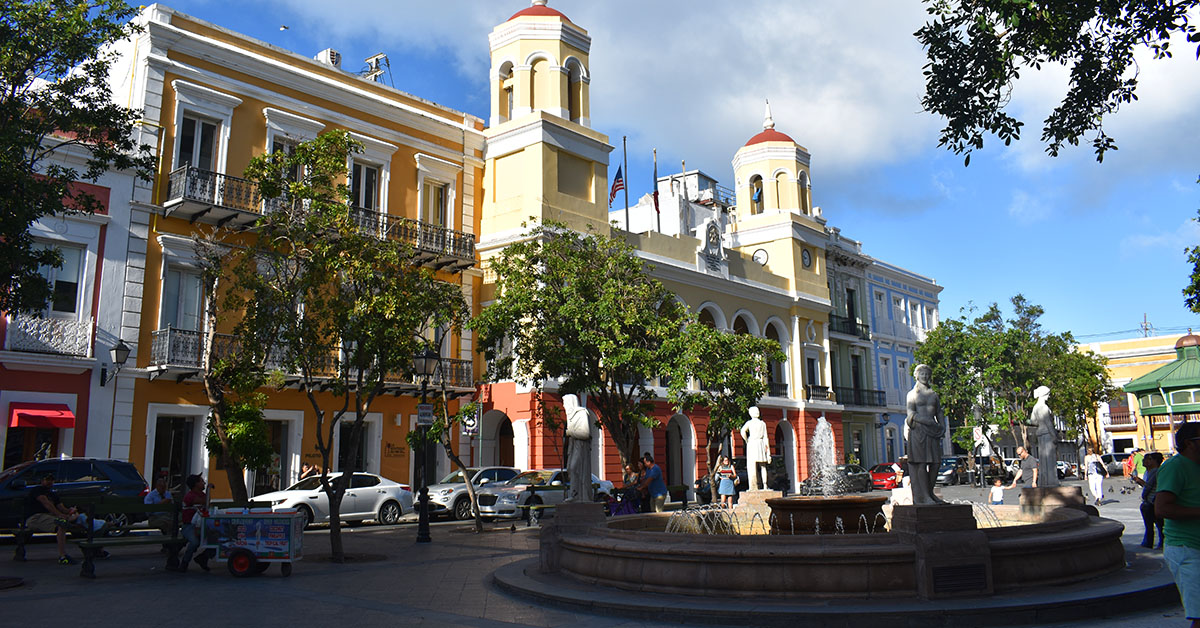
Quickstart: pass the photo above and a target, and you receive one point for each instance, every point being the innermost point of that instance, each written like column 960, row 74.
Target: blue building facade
column 903, row 308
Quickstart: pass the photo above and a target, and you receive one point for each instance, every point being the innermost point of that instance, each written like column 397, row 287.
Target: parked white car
column 506, row 500
column 449, row 497
column 369, row 496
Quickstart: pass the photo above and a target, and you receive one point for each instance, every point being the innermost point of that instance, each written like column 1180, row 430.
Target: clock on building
column 760, row 256
column 806, row 258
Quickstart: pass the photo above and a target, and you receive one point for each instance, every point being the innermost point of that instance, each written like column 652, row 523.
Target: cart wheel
column 242, row 564
column 286, row 568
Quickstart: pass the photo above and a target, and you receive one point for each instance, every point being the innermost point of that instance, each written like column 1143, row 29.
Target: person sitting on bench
column 47, row 514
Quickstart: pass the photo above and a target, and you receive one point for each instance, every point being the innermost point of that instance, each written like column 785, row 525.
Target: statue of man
column 579, row 456
column 758, row 450
column 1047, row 438
column 923, row 429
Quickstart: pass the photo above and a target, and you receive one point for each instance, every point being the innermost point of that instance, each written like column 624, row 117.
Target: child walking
column 998, row 493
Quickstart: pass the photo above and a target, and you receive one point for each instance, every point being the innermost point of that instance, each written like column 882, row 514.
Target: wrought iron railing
column 183, row 348
column 777, row 389
column 422, row 236
column 60, row 336
column 221, row 190
column 1121, row 419
column 812, row 392
column 849, row 326
column 860, row 396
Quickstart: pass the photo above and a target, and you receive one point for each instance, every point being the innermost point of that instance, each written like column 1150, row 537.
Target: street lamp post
column 425, row 364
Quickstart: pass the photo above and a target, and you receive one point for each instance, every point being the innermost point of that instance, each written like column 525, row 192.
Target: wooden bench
column 92, row 547
column 23, row 535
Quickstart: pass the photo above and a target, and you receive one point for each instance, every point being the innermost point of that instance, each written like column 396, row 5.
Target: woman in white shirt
column 1095, row 475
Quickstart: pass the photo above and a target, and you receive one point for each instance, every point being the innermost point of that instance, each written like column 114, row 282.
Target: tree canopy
column 730, row 371
column 977, row 49
column 991, row 364
column 338, row 308
column 583, row 308
column 54, row 101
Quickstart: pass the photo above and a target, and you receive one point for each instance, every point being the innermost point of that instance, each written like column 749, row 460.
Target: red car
column 884, row 475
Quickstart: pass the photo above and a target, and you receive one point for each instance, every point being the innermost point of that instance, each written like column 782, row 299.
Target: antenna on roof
column 1146, row 326
column 375, row 65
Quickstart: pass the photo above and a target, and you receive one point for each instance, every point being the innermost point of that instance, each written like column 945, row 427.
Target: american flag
column 618, row 185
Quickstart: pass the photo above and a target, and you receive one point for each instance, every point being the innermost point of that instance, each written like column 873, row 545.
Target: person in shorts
column 47, row 514
column 997, row 493
column 1177, row 501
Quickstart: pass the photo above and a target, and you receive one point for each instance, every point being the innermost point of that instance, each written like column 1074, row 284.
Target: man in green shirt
column 1178, row 502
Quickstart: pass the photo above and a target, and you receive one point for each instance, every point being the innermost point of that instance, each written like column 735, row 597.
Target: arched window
column 740, row 326
column 802, row 193
column 756, row 195
column 782, row 197
column 706, row 318
column 506, row 91
column 574, row 90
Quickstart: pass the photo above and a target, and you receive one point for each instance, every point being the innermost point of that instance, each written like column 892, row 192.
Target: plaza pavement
column 397, row 583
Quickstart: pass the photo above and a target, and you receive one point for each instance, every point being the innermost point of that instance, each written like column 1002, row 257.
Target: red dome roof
column 770, row 135
column 1189, row 340
column 538, row 10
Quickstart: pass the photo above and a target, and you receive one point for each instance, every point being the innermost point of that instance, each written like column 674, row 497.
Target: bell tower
column 542, row 159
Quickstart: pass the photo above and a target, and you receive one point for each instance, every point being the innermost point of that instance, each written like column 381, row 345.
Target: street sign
column 470, row 424
column 424, row 414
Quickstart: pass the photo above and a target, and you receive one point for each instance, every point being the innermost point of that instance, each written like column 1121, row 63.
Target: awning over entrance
column 40, row 415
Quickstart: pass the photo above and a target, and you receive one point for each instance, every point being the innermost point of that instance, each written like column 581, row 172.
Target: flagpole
column 625, row 161
column 657, row 213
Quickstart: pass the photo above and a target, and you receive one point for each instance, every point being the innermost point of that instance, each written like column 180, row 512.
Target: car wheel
column 118, row 524
column 462, row 509
column 306, row 514
column 389, row 513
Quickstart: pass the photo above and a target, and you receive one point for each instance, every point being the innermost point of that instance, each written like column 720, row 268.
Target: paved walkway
column 445, row 583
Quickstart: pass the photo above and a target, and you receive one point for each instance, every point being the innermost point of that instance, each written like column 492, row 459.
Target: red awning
column 43, row 415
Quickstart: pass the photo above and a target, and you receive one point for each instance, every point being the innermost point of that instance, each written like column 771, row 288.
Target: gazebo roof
column 1181, row 374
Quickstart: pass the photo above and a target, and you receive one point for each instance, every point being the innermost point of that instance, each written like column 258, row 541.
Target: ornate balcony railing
column 849, row 326
column 777, row 389
column 860, row 397
column 182, row 349
column 60, row 336
column 1121, row 419
column 425, row 238
column 213, row 188
column 812, row 392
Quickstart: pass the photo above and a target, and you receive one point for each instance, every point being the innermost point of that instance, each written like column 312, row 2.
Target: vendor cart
column 249, row 541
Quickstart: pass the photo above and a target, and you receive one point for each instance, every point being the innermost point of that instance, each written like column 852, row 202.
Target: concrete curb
column 1144, row 584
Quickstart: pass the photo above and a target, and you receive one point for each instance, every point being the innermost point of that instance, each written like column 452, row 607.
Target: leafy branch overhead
column 977, row 49
column 58, row 124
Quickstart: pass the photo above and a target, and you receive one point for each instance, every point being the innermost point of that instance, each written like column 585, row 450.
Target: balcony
column 860, row 397
column 196, row 194
column 899, row 330
column 177, row 353
column 1122, row 420
column 434, row 246
column 57, row 336
column 777, row 389
column 812, row 392
column 849, row 327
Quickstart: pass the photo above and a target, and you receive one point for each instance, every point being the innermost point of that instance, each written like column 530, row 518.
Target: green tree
column 986, row 367
column 582, row 308
column 976, row 50
column 54, row 101
column 730, row 373
column 346, row 309
column 442, row 433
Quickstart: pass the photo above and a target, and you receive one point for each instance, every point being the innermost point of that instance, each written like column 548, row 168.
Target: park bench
column 22, row 535
column 93, row 546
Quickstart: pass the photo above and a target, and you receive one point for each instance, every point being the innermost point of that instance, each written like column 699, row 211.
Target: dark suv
column 74, row 478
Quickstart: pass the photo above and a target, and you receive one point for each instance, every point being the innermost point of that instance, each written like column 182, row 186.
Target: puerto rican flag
column 618, row 185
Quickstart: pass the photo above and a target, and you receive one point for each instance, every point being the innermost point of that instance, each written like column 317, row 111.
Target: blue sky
column 1097, row 245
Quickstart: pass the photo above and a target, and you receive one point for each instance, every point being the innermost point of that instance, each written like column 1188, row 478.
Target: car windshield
column 308, row 484
column 882, row 468
column 457, row 477
column 531, row 477
column 14, row 471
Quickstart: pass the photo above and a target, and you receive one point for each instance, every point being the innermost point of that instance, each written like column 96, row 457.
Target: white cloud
column 1027, row 209
column 1163, row 245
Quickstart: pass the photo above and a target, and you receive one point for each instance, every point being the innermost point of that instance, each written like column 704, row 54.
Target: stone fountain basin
column 809, row 515
column 633, row 553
